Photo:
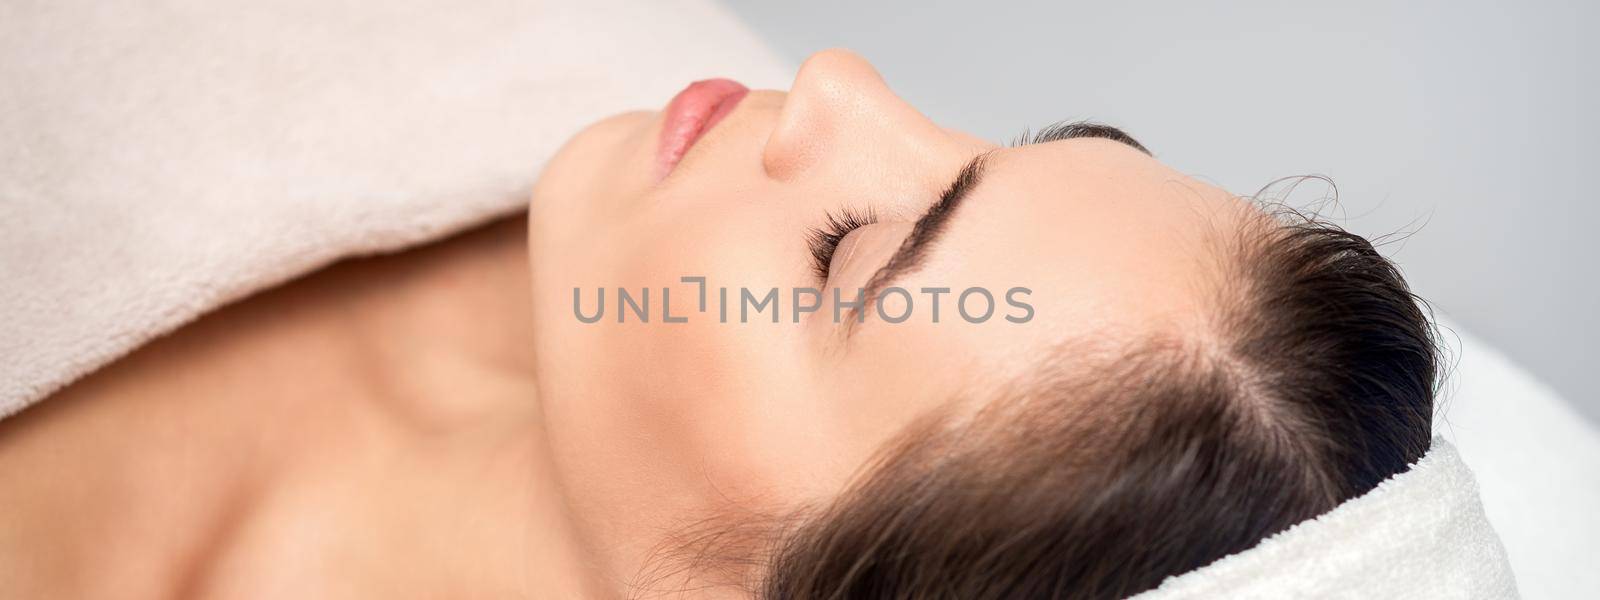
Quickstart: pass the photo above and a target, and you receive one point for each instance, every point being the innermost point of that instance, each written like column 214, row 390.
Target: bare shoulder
column 141, row 479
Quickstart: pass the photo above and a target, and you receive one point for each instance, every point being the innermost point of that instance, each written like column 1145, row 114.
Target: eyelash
column 824, row 240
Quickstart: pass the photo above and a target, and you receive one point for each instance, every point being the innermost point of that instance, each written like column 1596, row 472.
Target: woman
column 788, row 345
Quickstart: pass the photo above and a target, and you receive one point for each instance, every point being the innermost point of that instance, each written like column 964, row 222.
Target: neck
column 449, row 334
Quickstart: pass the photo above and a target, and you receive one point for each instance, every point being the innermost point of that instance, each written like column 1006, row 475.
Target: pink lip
column 692, row 113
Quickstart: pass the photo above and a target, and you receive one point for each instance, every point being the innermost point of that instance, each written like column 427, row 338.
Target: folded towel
column 159, row 159
column 1421, row 534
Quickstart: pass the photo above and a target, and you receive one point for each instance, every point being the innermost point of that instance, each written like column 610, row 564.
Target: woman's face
column 1074, row 240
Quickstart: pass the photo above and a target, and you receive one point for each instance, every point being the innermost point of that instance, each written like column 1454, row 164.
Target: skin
column 439, row 423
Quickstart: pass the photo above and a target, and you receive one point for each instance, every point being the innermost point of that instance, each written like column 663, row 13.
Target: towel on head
column 1420, row 534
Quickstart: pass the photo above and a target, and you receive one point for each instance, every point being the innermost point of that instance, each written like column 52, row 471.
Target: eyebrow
column 1066, row 130
column 913, row 251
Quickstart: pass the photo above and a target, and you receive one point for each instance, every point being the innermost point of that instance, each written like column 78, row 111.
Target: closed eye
column 824, row 240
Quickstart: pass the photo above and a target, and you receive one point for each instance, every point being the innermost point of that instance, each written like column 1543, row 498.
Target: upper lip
column 692, row 113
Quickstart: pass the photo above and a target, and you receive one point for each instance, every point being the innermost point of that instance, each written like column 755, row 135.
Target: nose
column 837, row 99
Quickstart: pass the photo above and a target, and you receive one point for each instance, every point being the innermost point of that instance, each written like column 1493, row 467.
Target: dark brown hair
column 1161, row 457
column 1170, row 455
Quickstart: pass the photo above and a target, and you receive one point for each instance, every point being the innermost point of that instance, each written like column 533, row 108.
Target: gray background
column 1468, row 125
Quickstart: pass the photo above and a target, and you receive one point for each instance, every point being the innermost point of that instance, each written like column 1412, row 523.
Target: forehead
column 1108, row 240
column 1109, row 182
column 1110, row 244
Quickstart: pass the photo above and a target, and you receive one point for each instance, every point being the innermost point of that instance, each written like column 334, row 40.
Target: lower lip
column 692, row 113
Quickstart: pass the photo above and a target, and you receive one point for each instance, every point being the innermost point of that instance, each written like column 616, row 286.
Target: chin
column 605, row 159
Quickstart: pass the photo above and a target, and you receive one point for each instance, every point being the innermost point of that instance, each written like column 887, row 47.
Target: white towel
column 159, row 159
column 1420, row 534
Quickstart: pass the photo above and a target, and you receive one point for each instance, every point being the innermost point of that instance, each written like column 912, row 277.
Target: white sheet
column 1538, row 465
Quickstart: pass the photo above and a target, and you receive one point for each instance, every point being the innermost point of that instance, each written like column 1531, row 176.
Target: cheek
column 700, row 361
column 728, row 347
column 725, row 400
